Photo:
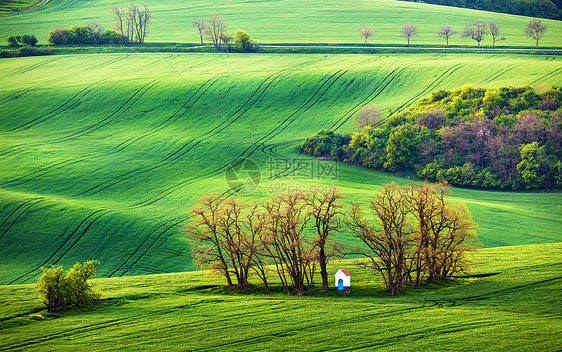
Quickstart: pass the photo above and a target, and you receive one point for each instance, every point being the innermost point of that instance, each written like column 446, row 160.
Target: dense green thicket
column 83, row 35
column 507, row 138
column 60, row 290
column 532, row 8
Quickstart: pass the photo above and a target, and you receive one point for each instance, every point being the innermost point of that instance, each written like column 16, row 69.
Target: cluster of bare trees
column 236, row 239
column 417, row 237
column 214, row 28
column 476, row 30
column 132, row 25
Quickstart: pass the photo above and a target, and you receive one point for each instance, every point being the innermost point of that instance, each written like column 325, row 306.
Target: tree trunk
column 365, row 41
column 447, row 42
column 408, row 41
column 323, row 270
column 478, row 45
column 537, row 42
column 201, row 36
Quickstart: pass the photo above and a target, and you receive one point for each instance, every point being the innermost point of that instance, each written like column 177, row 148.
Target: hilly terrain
column 102, row 156
column 511, row 303
column 287, row 21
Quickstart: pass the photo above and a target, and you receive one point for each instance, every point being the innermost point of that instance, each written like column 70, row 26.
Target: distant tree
column 365, row 32
column 409, row 31
column 326, row 211
column 215, row 25
column 532, row 160
column 59, row 36
column 369, row 115
column 242, row 41
column 199, row 24
column 96, row 31
column 535, row 30
column 446, row 32
column 476, row 31
column 495, row 33
column 29, row 40
column 119, row 23
column 12, row 41
column 226, row 39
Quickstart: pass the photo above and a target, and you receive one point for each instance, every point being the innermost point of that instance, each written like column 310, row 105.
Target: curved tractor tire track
column 72, row 240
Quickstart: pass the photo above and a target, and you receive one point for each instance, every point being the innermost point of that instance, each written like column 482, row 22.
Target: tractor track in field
column 76, row 98
column 169, row 225
column 495, row 75
column 429, row 88
column 23, row 91
column 172, row 118
column 184, row 149
column 171, row 189
column 41, row 172
column 94, row 216
column 283, row 125
column 179, row 153
column 548, row 75
column 6, row 227
column 34, row 66
column 373, row 95
column 175, row 221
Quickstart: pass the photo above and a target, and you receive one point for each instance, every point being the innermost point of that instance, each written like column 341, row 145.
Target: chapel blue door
column 340, row 284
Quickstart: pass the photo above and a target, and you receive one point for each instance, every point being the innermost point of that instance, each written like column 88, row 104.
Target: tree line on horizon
column 476, row 30
column 531, row 8
column 412, row 236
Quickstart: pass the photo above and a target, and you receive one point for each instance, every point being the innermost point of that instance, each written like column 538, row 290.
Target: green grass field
column 512, row 303
column 287, row 21
column 102, row 156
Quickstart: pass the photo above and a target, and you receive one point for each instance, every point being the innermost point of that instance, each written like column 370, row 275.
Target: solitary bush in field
column 60, row 290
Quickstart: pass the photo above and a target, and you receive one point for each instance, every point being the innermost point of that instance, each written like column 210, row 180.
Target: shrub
column 59, row 36
column 34, row 51
column 12, row 41
column 59, row 290
column 29, row 39
column 244, row 43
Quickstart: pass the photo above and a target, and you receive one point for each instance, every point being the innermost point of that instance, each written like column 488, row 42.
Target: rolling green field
column 512, row 303
column 287, row 21
column 102, row 156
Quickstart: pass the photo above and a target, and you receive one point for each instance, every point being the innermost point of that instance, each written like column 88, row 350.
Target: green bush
column 34, row 51
column 59, row 290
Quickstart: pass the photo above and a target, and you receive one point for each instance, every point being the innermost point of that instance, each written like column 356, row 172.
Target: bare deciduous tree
column 95, row 31
column 409, row 31
column 199, row 24
column 369, row 115
column 226, row 39
column 495, row 33
column 389, row 251
column 326, row 210
column 204, row 230
column 294, row 259
column 365, row 32
column 476, row 31
column 137, row 23
column 215, row 26
column 446, row 32
column 119, row 16
column 535, row 30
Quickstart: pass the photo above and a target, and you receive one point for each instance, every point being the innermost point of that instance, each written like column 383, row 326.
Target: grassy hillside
column 513, row 303
column 101, row 156
column 287, row 21
column 10, row 7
